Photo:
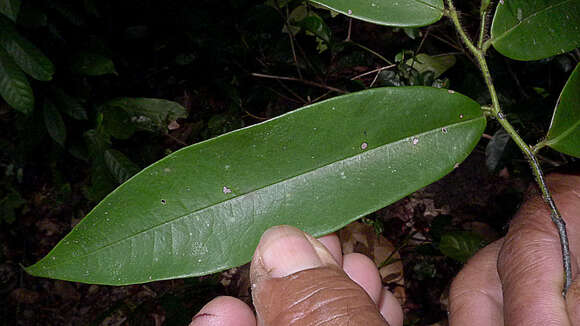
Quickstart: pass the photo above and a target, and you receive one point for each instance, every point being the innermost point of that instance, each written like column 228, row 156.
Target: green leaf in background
column 120, row 166
column 495, row 149
column 68, row 11
column 203, row 208
column 9, row 204
column 148, row 114
column 117, row 123
column 102, row 181
column 10, row 8
column 533, row 30
column 25, row 54
column 437, row 64
column 315, row 25
column 484, row 6
column 460, row 245
column 92, row 64
column 564, row 132
column 91, row 8
column 14, row 86
column 54, row 123
column 402, row 13
column 68, row 104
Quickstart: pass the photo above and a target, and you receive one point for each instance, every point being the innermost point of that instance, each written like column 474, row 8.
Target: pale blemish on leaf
column 226, row 190
column 364, row 146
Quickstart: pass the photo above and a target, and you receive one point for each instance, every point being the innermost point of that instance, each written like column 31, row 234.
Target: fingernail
column 284, row 250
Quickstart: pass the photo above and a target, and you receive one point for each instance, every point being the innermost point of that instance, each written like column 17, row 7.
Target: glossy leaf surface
column 564, row 132
column 24, row 53
column 14, row 86
column 203, row 209
column 403, row 13
column 537, row 29
column 10, row 8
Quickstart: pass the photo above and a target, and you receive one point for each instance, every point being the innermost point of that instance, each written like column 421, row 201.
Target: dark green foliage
column 460, row 245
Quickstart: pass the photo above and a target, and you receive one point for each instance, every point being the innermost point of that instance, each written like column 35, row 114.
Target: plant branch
column 373, row 71
column 529, row 154
column 290, row 35
column 483, row 17
column 371, row 52
column 307, row 82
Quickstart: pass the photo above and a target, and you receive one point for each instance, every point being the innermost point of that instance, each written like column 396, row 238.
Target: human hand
column 299, row 280
column 518, row 279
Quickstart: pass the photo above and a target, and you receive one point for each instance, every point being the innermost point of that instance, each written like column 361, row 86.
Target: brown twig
column 254, row 116
column 373, row 71
column 306, row 82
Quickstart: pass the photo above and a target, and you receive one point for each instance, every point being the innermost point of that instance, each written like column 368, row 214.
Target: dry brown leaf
column 361, row 238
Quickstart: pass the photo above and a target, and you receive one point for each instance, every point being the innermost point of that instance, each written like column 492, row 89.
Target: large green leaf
column 536, row 29
column 14, row 86
column 404, row 13
column 202, row 209
column 25, row 54
column 564, row 132
column 10, row 8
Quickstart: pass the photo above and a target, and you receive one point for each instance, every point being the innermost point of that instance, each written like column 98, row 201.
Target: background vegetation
column 81, row 127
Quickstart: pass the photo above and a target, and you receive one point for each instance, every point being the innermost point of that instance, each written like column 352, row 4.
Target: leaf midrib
column 249, row 192
column 509, row 31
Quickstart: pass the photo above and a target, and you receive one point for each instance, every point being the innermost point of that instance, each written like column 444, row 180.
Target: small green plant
column 203, row 208
column 63, row 100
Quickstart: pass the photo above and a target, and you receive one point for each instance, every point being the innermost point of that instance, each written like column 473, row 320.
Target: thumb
column 295, row 281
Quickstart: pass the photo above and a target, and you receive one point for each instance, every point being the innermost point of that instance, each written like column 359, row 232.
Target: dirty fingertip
column 223, row 311
column 285, row 250
column 391, row 308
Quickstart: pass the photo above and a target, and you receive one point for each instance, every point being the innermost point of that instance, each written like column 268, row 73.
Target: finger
column 363, row 271
column 390, row 308
column 296, row 281
column 573, row 302
column 530, row 261
column 332, row 243
column 475, row 297
column 224, row 311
